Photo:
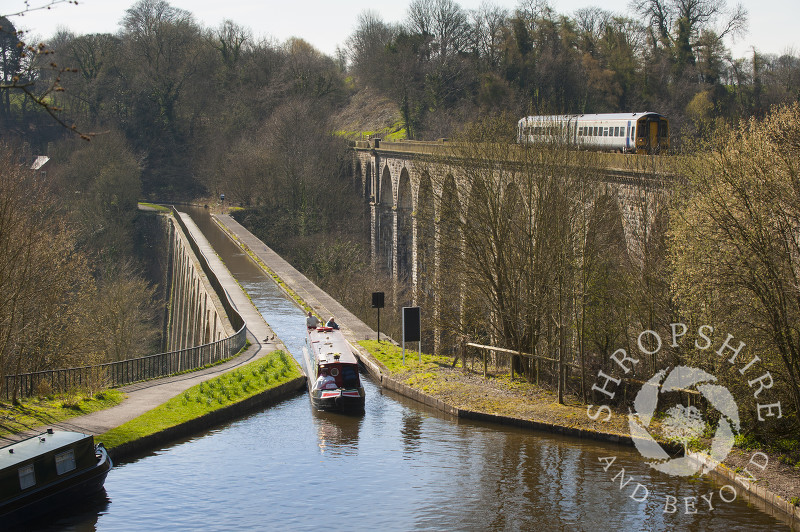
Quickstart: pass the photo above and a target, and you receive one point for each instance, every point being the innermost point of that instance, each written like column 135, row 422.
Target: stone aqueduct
column 405, row 200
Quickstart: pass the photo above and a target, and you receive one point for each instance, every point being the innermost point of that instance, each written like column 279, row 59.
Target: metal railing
column 111, row 374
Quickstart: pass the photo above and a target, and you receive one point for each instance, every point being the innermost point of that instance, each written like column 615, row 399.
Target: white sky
column 328, row 23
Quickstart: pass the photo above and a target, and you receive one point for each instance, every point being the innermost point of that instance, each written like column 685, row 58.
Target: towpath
column 147, row 395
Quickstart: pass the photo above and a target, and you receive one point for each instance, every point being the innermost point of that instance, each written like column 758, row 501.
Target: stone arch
column 425, row 218
column 385, row 223
column 607, row 270
column 404, row 227
column 450, row 254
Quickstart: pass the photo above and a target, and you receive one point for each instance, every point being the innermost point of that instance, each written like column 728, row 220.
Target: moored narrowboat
column 332, row 369
column 41, row 473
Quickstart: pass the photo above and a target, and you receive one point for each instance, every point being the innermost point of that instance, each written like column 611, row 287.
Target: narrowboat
column 332, row 369
column 48, row 470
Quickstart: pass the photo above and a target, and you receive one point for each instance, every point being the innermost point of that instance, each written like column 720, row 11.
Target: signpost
column 412, row 330
column 377, row 302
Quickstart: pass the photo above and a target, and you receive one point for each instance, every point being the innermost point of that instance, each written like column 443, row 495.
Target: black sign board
column 411, row 324
column 377, row 299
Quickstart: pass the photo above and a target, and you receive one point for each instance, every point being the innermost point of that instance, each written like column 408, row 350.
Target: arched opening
column 606, row 285
column 426, row 242
column 404, row 228
column 451, row 254
column 385, row 258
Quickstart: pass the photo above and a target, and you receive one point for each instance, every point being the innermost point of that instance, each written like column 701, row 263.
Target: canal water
column 399, row 466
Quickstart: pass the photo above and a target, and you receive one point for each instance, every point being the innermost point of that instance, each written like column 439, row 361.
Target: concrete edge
column 207, row 421
column 770, row 502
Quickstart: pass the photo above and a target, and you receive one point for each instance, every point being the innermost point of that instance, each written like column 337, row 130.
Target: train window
column 633, row 132
column 580, row 131
column 617, row 131
column 605, row 131
column 596, row 131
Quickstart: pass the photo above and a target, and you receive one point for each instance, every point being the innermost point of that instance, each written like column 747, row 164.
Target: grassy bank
column 497, row 394
column 214, row 394
column 35, row 412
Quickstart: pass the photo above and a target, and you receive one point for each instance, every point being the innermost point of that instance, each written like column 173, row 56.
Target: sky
column 326, row 24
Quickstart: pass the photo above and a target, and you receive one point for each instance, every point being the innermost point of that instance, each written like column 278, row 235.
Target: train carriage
column 644, row 133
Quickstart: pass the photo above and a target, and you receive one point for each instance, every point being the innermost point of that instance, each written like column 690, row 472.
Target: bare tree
column 520, row 243
column 367, row 44
column 678, row 24
column 443, row 22
column 488, row 22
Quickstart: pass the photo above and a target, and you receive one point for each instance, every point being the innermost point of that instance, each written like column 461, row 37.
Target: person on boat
column 312, row 322
column 332, row 323
column 325, row 381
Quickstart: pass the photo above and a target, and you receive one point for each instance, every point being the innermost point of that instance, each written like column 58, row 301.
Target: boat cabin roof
column 326, row 343
column 16, row 453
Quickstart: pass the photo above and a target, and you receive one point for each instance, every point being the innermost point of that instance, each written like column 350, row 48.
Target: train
column 643, row 133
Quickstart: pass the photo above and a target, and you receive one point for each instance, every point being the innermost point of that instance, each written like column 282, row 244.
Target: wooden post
column 484, row 363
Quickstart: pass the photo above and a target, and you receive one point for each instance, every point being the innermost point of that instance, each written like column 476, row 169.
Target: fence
column 143, row 368
column 506, row 354
column 503, row 356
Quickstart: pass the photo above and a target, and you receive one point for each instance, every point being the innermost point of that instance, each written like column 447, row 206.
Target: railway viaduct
column 404, row 184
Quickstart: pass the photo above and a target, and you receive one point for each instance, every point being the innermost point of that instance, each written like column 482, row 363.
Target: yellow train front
column 652, row 134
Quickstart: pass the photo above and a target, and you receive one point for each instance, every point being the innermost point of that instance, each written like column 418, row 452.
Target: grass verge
column 497, row 394
column 34, row 412
column 392, row 357
column 214, row 394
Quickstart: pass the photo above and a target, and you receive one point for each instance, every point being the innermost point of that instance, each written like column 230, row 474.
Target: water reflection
column 337, row 433
column 411, row 431
column 80, row 516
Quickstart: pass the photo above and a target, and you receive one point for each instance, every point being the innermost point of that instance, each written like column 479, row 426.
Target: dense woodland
column 180, row 112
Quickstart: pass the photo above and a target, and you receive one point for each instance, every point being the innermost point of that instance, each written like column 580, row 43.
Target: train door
column 652, row 138
column 663, row 135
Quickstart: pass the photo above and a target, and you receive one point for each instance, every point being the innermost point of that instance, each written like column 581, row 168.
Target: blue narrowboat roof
column 36, row 446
